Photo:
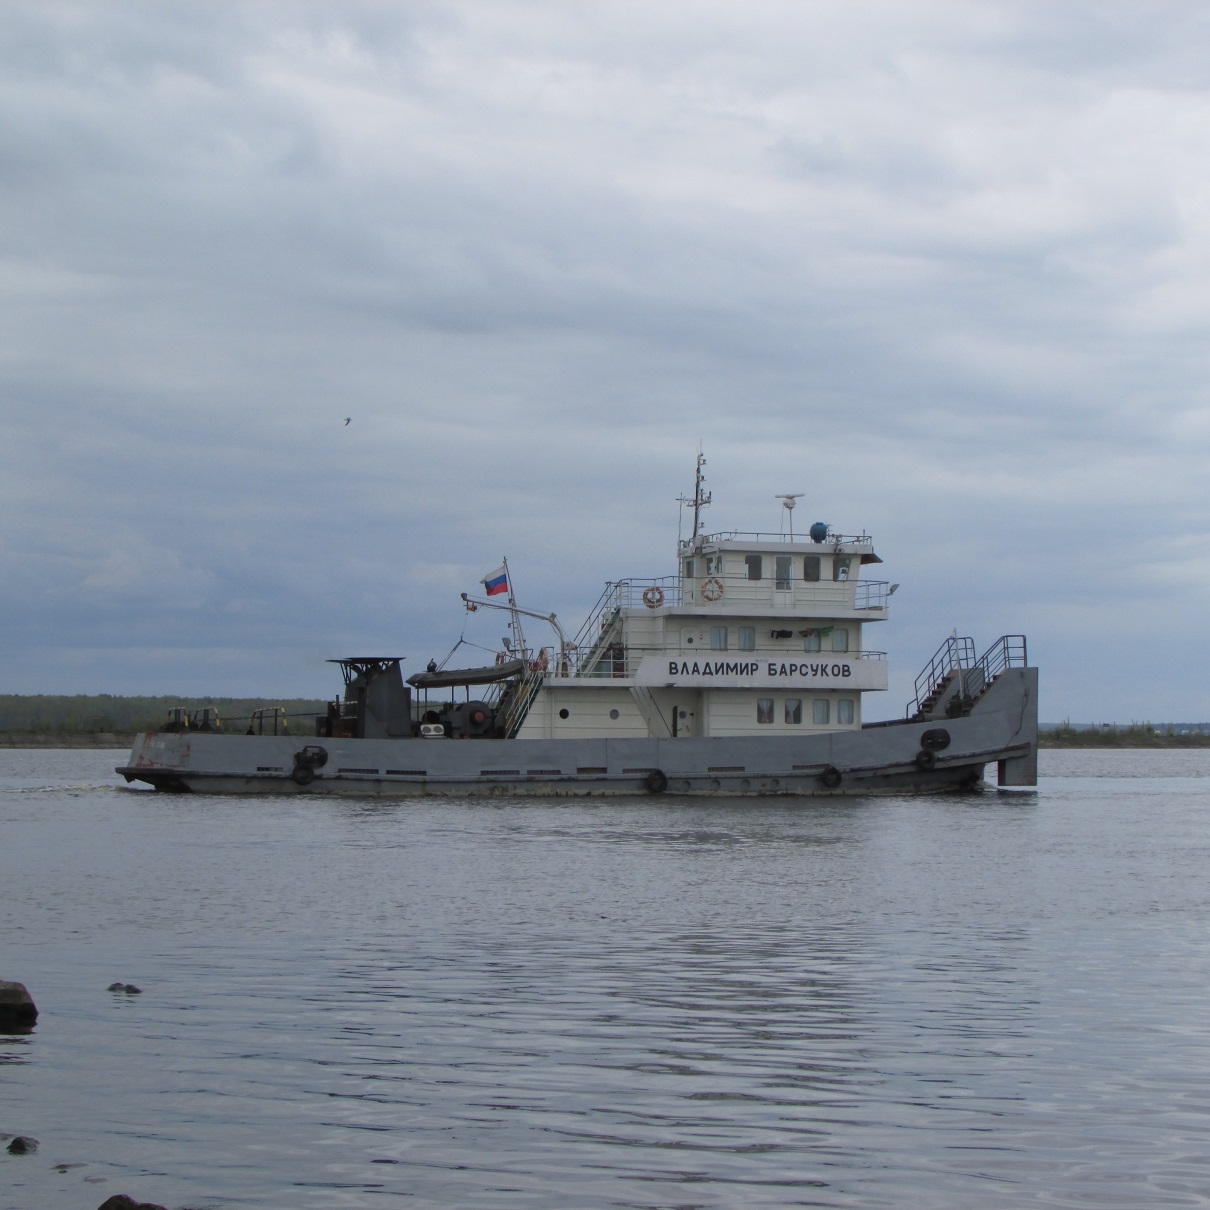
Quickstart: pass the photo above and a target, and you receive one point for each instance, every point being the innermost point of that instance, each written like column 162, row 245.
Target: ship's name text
column 752, row 667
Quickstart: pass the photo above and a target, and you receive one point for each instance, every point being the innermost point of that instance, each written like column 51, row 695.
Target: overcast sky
column 940, row 266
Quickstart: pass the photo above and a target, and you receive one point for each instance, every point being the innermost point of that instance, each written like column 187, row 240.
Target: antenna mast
column 700, row 498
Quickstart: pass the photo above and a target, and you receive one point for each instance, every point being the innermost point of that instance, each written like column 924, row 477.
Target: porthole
column 565, row 713
column 615, row 714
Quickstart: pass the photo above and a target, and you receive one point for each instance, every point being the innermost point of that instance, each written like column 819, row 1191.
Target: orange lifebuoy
column 712, row 589
column 653, row 597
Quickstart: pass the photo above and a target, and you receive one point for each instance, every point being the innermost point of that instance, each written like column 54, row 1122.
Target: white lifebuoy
column 712, row 589
column 653, row 597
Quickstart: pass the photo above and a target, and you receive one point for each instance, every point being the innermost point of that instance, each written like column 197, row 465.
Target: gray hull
column 921, row 756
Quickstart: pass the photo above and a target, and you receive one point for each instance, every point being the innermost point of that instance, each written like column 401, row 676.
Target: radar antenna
column 787, row 502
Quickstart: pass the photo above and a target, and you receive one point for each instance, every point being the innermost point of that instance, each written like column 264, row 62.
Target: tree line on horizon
column 82, row 714
column 1136, row 735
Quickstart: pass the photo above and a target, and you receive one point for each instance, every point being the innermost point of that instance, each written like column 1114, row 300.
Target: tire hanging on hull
column 656, row 781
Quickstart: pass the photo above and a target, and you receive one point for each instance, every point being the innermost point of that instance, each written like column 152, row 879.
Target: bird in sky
column 347, row 419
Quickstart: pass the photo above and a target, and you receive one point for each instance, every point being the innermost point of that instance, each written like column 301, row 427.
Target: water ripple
column 894, row 1003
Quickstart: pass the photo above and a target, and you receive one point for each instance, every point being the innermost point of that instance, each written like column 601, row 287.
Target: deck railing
column 735, row 535
column 956, row 656
column 956, row 653
column 791, row 595
column 720, row 590
column 1008, row 651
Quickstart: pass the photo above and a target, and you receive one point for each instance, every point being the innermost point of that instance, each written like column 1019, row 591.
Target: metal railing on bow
column 1008, row 651
column 957, row 653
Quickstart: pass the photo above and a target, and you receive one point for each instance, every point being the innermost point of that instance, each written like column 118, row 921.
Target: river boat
column 744, row 673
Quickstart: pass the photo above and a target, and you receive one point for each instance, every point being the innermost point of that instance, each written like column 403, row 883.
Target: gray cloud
column 940, row 266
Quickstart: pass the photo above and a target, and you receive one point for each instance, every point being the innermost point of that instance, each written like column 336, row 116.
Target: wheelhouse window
column 764, row 709
column 811, row 641
column 844, row 710
column 782, row 572
column 820, row 711
column 840, row 569
column 714, row 565
column 810, row 568
column 840, row 638
column 793, row 710
column 718, row 638
column 745, row 638
column 688, row 569
column 753, row 564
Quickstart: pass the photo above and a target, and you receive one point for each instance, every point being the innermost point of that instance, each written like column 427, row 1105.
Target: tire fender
column 656, row 781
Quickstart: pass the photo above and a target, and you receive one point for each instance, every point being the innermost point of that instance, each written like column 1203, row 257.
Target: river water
column 989, row 1000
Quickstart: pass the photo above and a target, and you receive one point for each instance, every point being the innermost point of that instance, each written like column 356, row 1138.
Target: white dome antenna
column 787, row 502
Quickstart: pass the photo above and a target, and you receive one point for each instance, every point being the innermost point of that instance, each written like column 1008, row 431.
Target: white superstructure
column 756, row 634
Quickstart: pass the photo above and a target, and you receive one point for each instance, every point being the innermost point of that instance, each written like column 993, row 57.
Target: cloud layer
column 942, row 267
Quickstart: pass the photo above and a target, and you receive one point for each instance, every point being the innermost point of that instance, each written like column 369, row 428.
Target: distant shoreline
column 55, row 739
column 1126, row 738
column 1093, row 739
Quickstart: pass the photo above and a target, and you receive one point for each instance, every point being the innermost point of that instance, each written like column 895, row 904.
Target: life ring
column 831, row 777
column 656, row 781
column 712, row 589
column 653, row 597
column 925, row 760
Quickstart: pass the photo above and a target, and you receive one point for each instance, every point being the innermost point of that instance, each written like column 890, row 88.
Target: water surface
column 986, row 1000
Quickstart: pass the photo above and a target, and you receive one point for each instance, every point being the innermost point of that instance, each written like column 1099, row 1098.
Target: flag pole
column 515, row 624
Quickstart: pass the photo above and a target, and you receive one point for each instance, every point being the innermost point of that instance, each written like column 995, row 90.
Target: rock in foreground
column 123, row 1201
column 17, row 1008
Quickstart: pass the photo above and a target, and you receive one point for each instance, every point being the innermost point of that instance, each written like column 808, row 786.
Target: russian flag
column 496, row 582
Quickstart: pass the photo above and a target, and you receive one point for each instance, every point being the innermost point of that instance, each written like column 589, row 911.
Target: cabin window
column 764, row 709
column 714, row 565
column 844, row 710
column 820, row 711
column 782, row 572
column 746, row 638
column 793, row 710
column 811, row 641
column 718, row 638
column 753, row 564
column 688, row 569
column 840, row 569
column 810, row 567
column 840, row 638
